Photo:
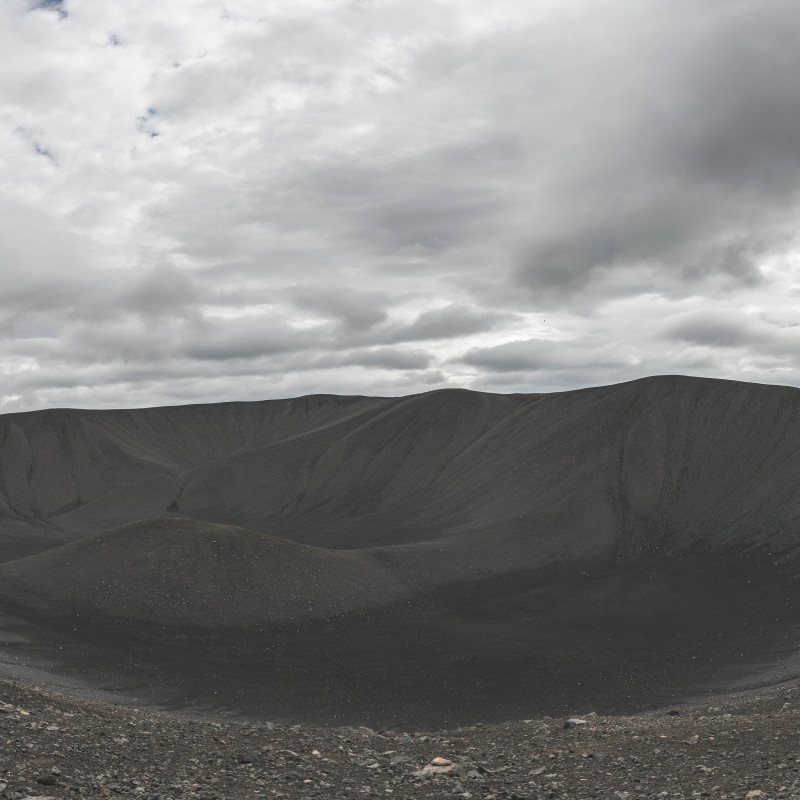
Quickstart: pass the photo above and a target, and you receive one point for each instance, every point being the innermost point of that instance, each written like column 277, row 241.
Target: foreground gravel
column 57, row 746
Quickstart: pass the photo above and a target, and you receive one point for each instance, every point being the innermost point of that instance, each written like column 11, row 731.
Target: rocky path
column 57, row 746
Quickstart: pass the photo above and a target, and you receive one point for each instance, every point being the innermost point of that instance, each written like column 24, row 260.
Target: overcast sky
column 204, row 201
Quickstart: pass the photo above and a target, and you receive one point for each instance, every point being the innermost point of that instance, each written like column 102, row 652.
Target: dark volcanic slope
column 653, row 465
column 65, row 473
column 622, row 546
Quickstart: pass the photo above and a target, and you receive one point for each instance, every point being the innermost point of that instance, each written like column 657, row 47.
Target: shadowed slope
column 171, row 613
column 618, row 546
column 174, row 572
column 656, row 465
column 65, row 473
column 660, row 465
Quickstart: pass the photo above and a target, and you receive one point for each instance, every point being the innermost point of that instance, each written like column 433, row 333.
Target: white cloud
column 326, row 195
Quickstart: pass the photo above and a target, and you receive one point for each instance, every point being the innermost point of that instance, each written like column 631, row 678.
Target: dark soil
column 487, row 559
column 57, row 746
column 617, row 639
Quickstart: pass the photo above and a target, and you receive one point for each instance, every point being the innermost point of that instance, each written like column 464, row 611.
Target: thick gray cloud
column 356, row 311
column 719, row 330
column 203, row 202
column 161, row 291
column 447, row 323
column 534, row 355
column 756, row 336
column 682, row 155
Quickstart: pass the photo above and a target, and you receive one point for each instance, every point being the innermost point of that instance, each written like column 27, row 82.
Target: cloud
column 244, row 339
column 385, row 358
column 355, row 310
column 534, row 355
column 685, row 167
column 161, row 291
column 733, row 328
column 320, row 195
column 719, row 330
column 50, row 5
column 448, row 322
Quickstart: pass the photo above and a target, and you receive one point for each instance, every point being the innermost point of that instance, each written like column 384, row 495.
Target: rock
column 437, row 766
column 573, row 722
column 194, row 760
column 421, row 773
column 47, row 780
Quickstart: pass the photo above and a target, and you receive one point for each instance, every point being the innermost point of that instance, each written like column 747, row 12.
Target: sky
column 204, row 201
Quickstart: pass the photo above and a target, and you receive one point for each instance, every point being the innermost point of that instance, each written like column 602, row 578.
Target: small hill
column 183, row 572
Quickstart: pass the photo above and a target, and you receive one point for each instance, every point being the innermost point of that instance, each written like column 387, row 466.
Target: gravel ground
column 53, row 745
